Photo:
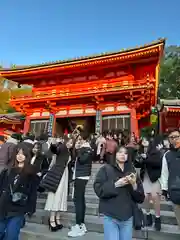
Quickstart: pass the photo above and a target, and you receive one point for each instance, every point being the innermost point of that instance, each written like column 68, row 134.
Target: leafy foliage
column 169, row 86
column 9, row 89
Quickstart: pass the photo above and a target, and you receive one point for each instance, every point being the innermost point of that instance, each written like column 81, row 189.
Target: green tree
column 9, row 89
column 169, row 86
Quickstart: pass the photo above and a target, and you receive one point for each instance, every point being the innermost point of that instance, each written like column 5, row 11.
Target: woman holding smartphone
column 117, row 187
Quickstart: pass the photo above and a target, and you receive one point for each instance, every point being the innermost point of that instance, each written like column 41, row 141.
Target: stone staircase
column 36, row 225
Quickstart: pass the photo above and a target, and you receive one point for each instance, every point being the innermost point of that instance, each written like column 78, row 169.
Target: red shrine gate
column 112, row 90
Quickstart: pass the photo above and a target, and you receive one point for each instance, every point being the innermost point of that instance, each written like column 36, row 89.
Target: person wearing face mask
column 117, row 187
column 170, row 175
column 18, row 193
column 40, row 164
column 81, row 176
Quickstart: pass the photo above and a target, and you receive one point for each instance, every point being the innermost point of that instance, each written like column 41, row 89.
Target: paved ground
column 41, row 232
column 35, row 231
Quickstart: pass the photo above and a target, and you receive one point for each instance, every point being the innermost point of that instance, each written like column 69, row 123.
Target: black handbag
column 139, row 223
column 138, row 217
column 18, row 197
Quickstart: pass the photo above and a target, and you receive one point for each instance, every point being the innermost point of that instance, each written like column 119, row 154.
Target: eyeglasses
column 174, row 137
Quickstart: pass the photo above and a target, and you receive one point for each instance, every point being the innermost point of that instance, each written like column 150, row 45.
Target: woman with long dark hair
column 18, row 193
column 39, row 160
column 149, row 159
column 118, row 189
column 56, row 183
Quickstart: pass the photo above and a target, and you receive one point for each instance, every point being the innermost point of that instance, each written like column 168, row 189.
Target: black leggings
column 79, row 200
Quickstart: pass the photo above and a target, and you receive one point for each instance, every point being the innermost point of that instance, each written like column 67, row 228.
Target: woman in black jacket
column 39, row 160
column 56, row 183
column 118, row 188
column 149, row 159
column 18, row 193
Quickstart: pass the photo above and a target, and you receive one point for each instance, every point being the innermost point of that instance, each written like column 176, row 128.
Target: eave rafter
column 172, row 109
column 141, row 102
column 138, row 98
column 108, row 58
column 23, row 108
column 63, row 96
column 4, row 120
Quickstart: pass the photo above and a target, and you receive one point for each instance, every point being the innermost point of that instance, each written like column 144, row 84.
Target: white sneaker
column 76, row 231
column 83, row 226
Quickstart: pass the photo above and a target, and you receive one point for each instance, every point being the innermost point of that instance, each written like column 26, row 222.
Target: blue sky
column 36, row 31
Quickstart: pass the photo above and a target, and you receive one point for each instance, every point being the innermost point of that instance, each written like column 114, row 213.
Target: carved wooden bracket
column 50, row 107
column 23, row 108
column 98, row 102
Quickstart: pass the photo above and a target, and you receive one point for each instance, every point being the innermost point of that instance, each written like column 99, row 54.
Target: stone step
column 89, row 197
column 93, row 199
column 39, row 231
column 41, row 216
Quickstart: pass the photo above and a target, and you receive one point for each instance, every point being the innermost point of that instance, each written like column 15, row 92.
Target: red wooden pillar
column 26, row 124
column 54, row 126
column 134, row 123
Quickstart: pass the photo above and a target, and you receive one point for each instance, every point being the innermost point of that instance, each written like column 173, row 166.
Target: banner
column 98, row 121
column 51, row 124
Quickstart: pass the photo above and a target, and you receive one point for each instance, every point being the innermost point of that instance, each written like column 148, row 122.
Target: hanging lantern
column 153, row 118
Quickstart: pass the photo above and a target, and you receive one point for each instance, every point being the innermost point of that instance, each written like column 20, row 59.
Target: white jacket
column 164, row 173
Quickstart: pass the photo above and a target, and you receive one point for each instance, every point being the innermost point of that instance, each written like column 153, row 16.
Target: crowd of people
column 133, row 171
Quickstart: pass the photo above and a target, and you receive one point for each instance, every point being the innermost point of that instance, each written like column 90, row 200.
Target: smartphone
column 131, row 175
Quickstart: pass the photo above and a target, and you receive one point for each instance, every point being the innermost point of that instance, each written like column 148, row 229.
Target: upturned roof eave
column 5, row 72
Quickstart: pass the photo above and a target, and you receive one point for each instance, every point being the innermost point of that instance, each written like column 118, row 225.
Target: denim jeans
column 10, row 228
column 117, row 230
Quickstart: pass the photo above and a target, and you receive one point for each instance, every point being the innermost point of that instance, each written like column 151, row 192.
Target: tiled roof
column 73, row 60
column 170, row 102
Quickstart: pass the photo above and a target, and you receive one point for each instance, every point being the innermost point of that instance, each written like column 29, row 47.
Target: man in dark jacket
column 6, row 151
column 170, row 175
column 81, row 176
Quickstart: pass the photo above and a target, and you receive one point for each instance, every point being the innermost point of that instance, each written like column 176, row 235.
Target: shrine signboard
column 98, row 121
column 50, row 125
